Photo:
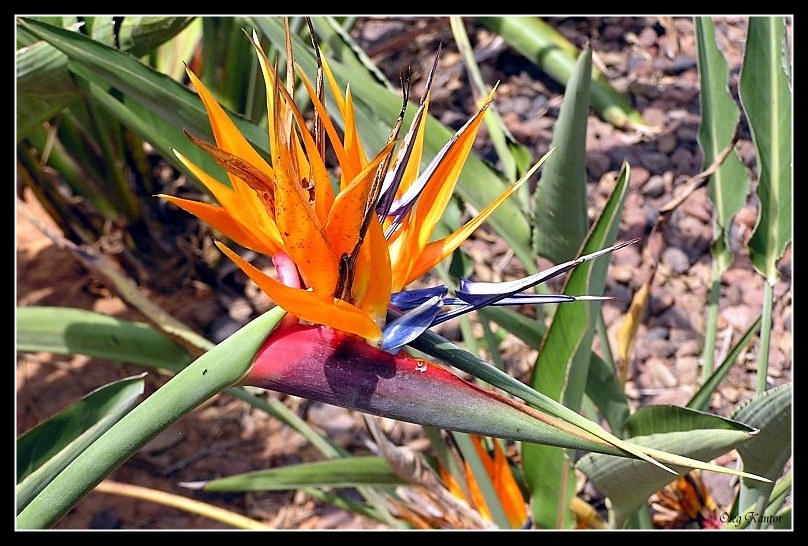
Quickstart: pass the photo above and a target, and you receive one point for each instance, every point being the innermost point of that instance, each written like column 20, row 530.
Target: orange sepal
column 222, row 220
column 310, row 306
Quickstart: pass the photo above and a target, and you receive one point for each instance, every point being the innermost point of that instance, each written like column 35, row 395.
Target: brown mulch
column 651, row 60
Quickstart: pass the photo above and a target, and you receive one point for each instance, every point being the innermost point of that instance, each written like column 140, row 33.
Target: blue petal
column 482, row 294
column 504, row 289
column 409, row 299
column 410, row 325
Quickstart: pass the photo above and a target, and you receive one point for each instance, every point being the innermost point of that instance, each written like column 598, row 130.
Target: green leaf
column 560, row 219
column 101, row 29
column 48, row 448
column 765, row 91
column 555, row 55
column 63, row 330
column 332, row 35
column 768, row 453
column 210, row 374
column 729, row 185
column 525, row 328
column 562, row 367
column 175, row 104
column 140, row 35
column 629, row 483
column 44, row 86
column 170, row 56
column 701, row 400
column 377, row 109
column 603, row 388
column 348, row 472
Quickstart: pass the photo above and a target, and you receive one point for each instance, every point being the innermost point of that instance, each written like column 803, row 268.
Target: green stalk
column 765, row 335
column 605, row 345
column 210, row 374
column 741, row 521
column 113, row 159
column 492, row 343
column 210, row 52
column 79, row 177
column 710, row 332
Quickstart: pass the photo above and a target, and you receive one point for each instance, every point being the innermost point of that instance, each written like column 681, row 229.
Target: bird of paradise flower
column 344, row 258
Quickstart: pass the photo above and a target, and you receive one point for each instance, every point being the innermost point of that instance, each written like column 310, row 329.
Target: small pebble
column 666, row 143
column 682, row 161
column 691, row 347
column 639, row 175
column 655, row 117
column 687, row 368
column 597, row 164
column 657, row 332
column 655, row 186
column 676, row 259
column 660, row 373
column 656, row 162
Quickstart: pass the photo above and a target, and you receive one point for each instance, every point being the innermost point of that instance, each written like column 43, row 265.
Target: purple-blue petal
column 409, row 299
column 410, row 325
column 404, row 203
column 507, row 288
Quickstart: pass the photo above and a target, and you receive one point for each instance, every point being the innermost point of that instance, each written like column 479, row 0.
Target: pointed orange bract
column 353, row 146
column 374, row 270
column 310, row 306
column 440, row 187
column 436, row 251
column 345, row 218
column 505, row 486
column 302, row 233
column 220, row 219
column 227, row 135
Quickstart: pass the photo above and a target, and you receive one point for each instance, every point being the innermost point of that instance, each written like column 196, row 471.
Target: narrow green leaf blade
column 765, row 91
column 767, row 454
column 346, row 472
column 560, row 220
column 629, row 483
column 729, row 185
column 562, row 367
column 603, row 388
column 63, row 330
column 515, row 157
column 140, row 35
column 701, row 400
column 46, row 449
column 525, row 328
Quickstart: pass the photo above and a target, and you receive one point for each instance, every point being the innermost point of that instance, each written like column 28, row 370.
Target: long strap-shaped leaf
column 765, row 92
